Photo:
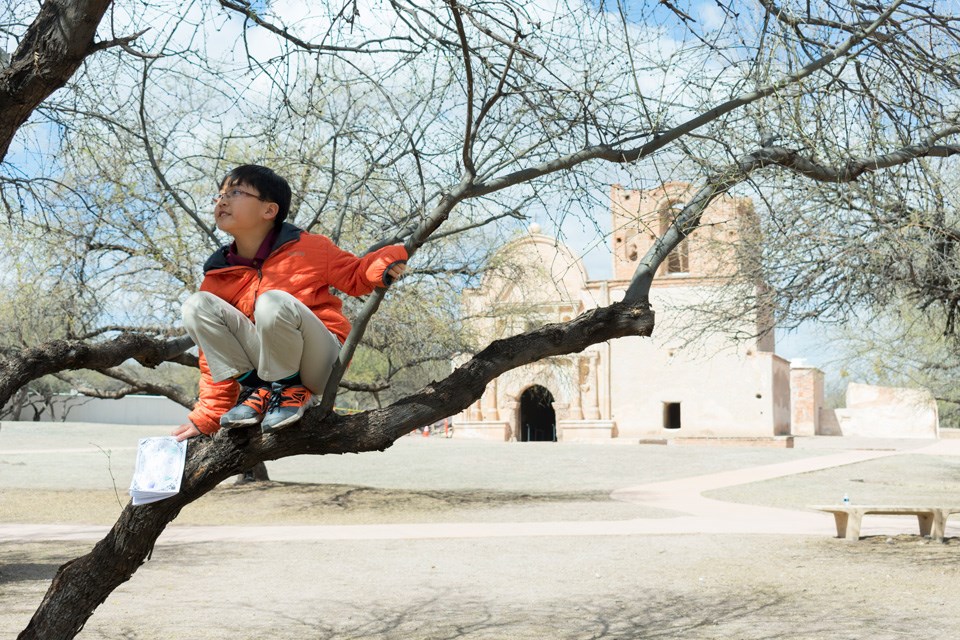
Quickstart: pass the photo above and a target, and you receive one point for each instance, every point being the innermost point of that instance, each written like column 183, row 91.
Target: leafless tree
column 434, row 117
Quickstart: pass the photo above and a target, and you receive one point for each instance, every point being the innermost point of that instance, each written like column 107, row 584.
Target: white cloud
column 711, row 16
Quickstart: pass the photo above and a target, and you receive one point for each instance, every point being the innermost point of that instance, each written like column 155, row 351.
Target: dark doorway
column 671, row 415
column 538, row 421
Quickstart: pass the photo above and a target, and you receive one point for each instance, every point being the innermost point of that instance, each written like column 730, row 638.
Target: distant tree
column 901, row 346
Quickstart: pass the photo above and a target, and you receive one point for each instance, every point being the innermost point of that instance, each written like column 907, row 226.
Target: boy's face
column 239, row 210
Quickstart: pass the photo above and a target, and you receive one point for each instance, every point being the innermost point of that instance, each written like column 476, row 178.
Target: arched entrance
column 538, row 421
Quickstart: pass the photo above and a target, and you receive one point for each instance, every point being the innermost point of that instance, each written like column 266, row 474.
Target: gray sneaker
column 251, row 406
column 287, row 405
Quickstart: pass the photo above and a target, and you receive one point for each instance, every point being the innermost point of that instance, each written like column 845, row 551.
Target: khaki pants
column 286, row 338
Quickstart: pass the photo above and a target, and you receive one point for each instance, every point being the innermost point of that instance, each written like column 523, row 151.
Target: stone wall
column 888, row 412
column 134, row 409
column 806, row 400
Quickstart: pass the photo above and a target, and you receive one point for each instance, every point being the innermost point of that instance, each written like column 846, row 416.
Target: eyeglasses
column 234, row 193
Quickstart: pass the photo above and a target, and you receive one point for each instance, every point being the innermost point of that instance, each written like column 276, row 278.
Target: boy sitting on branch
column 268, row 328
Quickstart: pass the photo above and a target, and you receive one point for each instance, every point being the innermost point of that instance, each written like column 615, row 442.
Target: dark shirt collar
column 218, row 259
column 235, row 259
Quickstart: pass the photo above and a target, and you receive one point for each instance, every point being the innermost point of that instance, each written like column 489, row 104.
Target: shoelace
column 277, row 397
column 245, row 393
column 274, row 401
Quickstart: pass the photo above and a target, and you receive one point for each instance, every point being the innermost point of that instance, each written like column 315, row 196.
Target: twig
column 116, row 492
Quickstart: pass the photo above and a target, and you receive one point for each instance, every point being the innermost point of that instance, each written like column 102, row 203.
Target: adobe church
column 727, row 383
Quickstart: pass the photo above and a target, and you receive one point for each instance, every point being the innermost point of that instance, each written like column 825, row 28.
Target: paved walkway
column 702, row 515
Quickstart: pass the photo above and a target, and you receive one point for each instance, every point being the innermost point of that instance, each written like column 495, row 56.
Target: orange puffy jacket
column 303, row 264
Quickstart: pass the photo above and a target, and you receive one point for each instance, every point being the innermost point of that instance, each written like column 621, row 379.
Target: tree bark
column 82, row 584
column 49, row 53
column 60, row 355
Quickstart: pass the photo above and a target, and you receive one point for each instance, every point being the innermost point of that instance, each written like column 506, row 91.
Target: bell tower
column 713, row 250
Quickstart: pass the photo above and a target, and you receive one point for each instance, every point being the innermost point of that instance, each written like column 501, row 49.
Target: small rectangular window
column 671, row 415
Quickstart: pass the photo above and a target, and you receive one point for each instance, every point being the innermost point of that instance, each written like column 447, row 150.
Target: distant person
column 268, row 328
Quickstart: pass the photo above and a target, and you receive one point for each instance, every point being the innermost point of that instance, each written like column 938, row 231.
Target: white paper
column 159, row 469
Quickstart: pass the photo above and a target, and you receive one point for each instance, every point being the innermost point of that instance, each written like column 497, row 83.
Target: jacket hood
column 218, row 259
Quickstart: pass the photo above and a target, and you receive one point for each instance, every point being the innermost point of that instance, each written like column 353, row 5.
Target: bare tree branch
column 168, row 332
column 165, row 390
column 467, row 155
column 51, row 50
column 689, row 217
column 59, row 355
column 612, row 153
column 364, row 387
column 247, row 11
column 155, row 166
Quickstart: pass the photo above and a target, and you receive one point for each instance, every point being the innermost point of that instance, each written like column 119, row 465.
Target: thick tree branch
column 82, row 584
column 185, row 359
column 60, row 355
column 49, row 53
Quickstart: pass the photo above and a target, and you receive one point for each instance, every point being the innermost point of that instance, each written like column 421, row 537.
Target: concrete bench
column 932, row 520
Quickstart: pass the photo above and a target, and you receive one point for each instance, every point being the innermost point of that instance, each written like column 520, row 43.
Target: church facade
column 725, row 381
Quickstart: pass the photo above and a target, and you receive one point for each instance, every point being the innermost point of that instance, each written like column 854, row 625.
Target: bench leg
column 939, row 525
column 848, row 524
column 853, row 526
column 840, row 519
column 926, row 522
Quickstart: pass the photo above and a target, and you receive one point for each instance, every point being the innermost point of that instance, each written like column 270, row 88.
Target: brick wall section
column 806, row 400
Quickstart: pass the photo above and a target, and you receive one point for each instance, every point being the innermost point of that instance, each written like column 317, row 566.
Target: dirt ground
column 637, row 587
column 694, row 585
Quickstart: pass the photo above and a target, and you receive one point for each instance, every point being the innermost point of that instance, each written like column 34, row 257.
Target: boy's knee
column 197, row 303
column 272, row 305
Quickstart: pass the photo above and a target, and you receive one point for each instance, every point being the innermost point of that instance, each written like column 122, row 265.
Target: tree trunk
column 82, row 584
column 49, row 53
column 258, row 473
column 19, row 402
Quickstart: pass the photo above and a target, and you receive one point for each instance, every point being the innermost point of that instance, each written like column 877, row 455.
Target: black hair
column 271, row 186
